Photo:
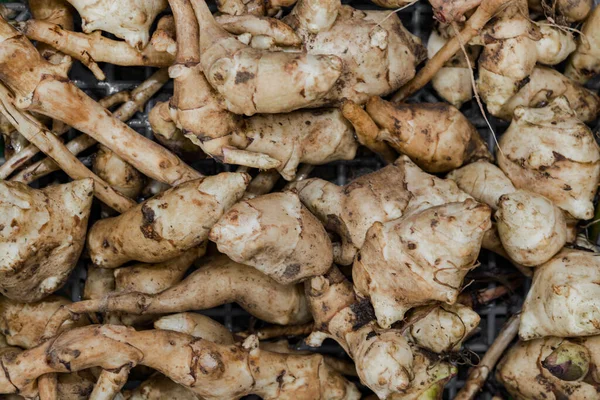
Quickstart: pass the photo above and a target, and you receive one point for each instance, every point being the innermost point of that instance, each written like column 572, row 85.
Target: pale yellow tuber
column 277, row 235
column 42, row 235
column 563, row 297
column 157, row 229
column 550, row 151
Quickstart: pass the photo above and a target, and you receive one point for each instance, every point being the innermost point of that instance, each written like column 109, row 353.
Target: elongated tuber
column 437, row 137
column 562, row 298
column 42, row 236
column 159, row 387
column 419, row 259
column 197, row 325
column 156, row 230
column 129, row 20
column 277, row 235
column 550, row 151
column 218, row 281
column 585, row 61
column 121, row 176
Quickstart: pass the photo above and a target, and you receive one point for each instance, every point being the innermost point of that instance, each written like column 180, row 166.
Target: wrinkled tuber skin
column 117, row 173
column 23, row 324
column 44, row 88
column 211, row 370
column 530, row 369
column 554, row 45
column 563, row 297
column 563, row 10
column 551, row 152
column 384, row 359
column 277, row 235
column 437, row 137
column 166, row 133
column 546, row 84
column 218, row 281
column 42, row 235
column 585, row 61
column 532, row 229
column 159, row 387
column 157, row 229
column 244, row 76
column 484, row 181
column 129, row 20
column 381, row 196
column 419, row 259
column 378, row 57
column 444, row 329
column 197, row 325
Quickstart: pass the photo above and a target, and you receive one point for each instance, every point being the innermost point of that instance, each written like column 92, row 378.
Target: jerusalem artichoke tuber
column 585, row 61
column 42, row 236
column 277, row 235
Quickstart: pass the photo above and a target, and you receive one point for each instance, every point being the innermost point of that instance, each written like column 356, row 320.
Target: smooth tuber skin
column 377, row 58
column 117, row 173
column 563, row 10
column 437, row 137
column 130, row 20
column 562, row 299
column 277, row 235
column 197, row 325
column 158, row 229
column 381, row 196
column 213, row 371
column 244, row 76
column 42, row 87
column 532, row 229
column 585, row 61
column 420, row 258
column 159, row 387
column 384, row 359
column 218, row 281
column 57, row 12
column 42, row 235
column 552, row 368
column 550, row 151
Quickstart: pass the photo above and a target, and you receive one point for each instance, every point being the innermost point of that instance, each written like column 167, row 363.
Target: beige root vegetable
column 218, row 281
column 159, row 387
column 511, row 50
column 117, row 173
column 42, row 87
column 385, row 361
column 544, row 85
column 453, row 82
column 163, row 38
column 213, row 371
column 437, row 137
column 562, row 10
column 42, row 236
column 563, row 296
column 197, row 325
column 166, row 133
column 551, row 368
column 156, row 230
column 129, row 20
column 550, row 151
column 57, row 12
column 530, row 227
column 281, row 33
column 244, row 76
column 585, row 61
column 378, row 57
column 98, row 283
column 93, row 48
column 381, row 196
column 420, row 258
column 277, row 235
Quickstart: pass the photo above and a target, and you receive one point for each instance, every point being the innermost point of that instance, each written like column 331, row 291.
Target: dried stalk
column 482, row 15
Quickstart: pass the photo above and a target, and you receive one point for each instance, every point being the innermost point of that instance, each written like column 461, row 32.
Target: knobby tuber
column 585, row 61
column 562, row 299
column 552, row 368
column 277, row 235
column 420, row 258
column 57, row 12
column 117, row 173
column 550, row 151
column 378, row 57
column 218, row 281
column 211, row 370
column 437, row 137
column 562, row 10
column 42, row 87
column 156, row 230
column 381, row 196
column 130, row 20
column 42, row 236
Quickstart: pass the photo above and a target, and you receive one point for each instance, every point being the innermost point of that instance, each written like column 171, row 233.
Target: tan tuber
column 585, row 61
